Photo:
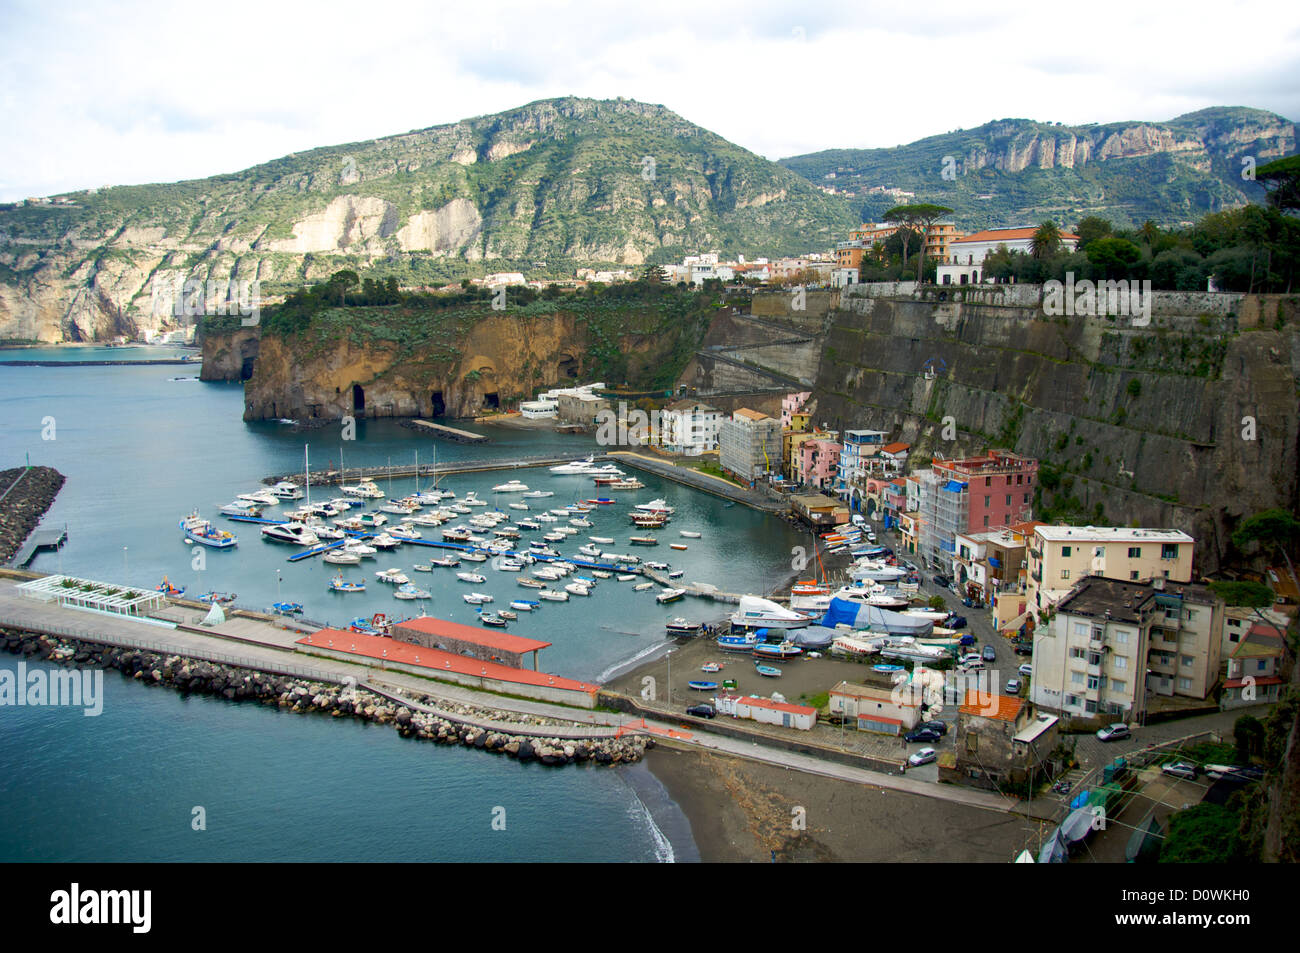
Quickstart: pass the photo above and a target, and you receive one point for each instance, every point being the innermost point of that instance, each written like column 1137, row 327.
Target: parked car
column 921, row 734
column 956, row 621
column 701, row 711
column 939, row 726
column 1181, row 769
column 1113, row 732
column 970, row 658
column 924, row 756
column 1026, row 670
column 943, row 582
column 1013, row 686
column 989, row 654
column 975, row 666
column 1024, row 648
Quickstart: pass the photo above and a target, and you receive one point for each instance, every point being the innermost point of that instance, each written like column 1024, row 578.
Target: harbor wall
column 25, row 496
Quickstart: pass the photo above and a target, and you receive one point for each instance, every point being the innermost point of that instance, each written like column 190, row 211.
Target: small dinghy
column 702, row 686
column 768, row 670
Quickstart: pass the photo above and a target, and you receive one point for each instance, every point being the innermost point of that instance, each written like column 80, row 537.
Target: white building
column 767, row 711
column 538, row 409
column 1060, row 556
column 965, row 264
column 690, row 427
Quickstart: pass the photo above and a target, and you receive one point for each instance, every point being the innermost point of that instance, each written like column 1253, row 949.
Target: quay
column 400, row 470
column 700, row 481
column 160, row 360
column 38, row 540
column 450, row 433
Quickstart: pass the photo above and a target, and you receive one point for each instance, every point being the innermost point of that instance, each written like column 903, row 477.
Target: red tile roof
column 1006, row 235
column 471, row 633
column 776, row 706
column 895, row 447
column 988, row 705
column 406, row 653
column 1266, row 680
column 751, row 414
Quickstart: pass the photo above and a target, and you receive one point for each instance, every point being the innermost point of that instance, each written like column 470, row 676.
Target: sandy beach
column 745, row 812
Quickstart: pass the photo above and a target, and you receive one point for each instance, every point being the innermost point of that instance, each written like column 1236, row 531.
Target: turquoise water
column 140, row 450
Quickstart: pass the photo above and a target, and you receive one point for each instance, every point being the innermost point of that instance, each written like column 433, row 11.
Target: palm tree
column 1046, row 241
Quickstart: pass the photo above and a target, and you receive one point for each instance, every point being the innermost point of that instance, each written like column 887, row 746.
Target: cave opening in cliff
column 438, row 404
column 246, row 369
column 492, row 401
column 358, row 399
column 568, row 367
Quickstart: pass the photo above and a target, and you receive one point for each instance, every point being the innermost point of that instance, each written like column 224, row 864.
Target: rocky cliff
column 1190, row 422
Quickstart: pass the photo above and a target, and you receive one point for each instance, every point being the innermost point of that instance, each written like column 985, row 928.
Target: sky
column 95, row 94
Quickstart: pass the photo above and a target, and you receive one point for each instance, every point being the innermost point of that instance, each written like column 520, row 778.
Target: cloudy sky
column 97, row 93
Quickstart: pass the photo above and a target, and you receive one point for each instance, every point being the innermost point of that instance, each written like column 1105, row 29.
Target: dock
column 334, row 477
column 39, row 539
column 161, row 360
column 450, row 433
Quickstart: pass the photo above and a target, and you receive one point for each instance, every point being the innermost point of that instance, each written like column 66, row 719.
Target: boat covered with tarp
column 863, row 616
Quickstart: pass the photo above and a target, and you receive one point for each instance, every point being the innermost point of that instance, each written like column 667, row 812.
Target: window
column 1065, row 574
column 1188, row 661
column 1093, row 683
column 1073, row 700
column 1090, row 707
column 1117, row 686
column 1261, row 665
column 1076, row 678
column 1026, row 499
column 1065, row 552
column 1119, row 663
column 1135, row 552
column 1080, row 628
column 1191, row 615
column 988, row 481
column 1169, row 551
column 1077, row 651
column 986, row 521
column 1133, row 574
column 1008, row 499
column 1098, row 552
column 1020, row 478
column 1121, row 637
column 1184, row 684
column 986, row 501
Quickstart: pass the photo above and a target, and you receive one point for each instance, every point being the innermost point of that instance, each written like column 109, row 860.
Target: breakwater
column 336, row 699
column 25, row 495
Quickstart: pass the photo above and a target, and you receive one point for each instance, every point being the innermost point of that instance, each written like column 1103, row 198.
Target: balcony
column 1036, row 575
column 1096, row 645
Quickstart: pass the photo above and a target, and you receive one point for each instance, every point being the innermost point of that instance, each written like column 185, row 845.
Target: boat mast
column 306, row 472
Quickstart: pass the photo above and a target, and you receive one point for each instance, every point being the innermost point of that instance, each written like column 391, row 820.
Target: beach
column 743, row 811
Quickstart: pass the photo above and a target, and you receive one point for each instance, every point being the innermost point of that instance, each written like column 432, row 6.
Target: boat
column 576, row 466
column 642, row 587
column 589, row 549
column 513, row 486
column 372, row 520
column 395, row 576
column 601, row 574
column 471, row 499
column 294, row 533
column 538, row 494
column 680, row 626
column 676, row 546
column 737, row 643
column 768, row 670
column 602, row 540
column 782, row 651
column 507, row 615
column 625, row 576
column 167, row 589
column 385, row 541
column 600, row 501
column 473, row 577
column 711, row 667
column 286, row 608
column 285, row 490
column 578, row 589
column 492, row 618
column 654, row 506
column 754, row 612
column 199, row 530
column 342, row 557
column 473, row 557
column 676, row 574
column 643, row 541
column 260, row 497
column 365, row 489
column 669, row 595
column 524, row 605
column 339, row 584
column 581, row 523
column 409, row 591
column 554, row 595
column 477, row 598
column 247, row 508
column 359, row 548
column 617, row 483
column 446, row 562
column 220, row 598
column 517, row 506
column 688, row 534
column 702, row 686
column 422, row 567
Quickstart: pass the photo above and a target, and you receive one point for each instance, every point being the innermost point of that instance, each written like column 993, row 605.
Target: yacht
column 385, row 541
column 755, row 612
column 342, row 557
column 473, row 577
column 249, row 508
column 517, row 506
column 654, row 506
column 265, row 497
column 538, row 494
column 284, row 490
column 576, row 466
column 554, row 595
column 578, row 589
column 471, row 499
column 290, row 533
column 513, row 486
column 366, row 489
column 603, row 540
column 395, row 576
column 876, row 572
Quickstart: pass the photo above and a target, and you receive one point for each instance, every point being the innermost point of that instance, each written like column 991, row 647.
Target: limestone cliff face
column 230, row 356
column 1207, row 434
column 502, row 358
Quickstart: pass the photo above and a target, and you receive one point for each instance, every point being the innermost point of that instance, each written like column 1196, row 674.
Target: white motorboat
column 473, row 577
column 406, row 531
column 581, row 523
column 409, row 591
column 576, row 466
column 876, row 571
column 517, row 506
column 654, row 506
column 285, row 490
column 538, row 494
column 249, row 508
column 295, row 533
column 578, row 589
column 513, row 486
column 446, row 562
column 507, row 565
column 590, row 549
column 471, row 499
column 265, row 497
column 477, row 598
column 524, row 605
column 554, row 595
column 669, row 595
column 755, row 613
column 360, row 548
column 341, row 557
column 473, row 557
column 366, row 489
column 385, row 541
column 687, row 534
column 395, row 576
column 625, row 576
column 603, row 540
column 546, row 518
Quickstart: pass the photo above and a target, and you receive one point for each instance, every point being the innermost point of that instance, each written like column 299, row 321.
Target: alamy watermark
column 39, row 687
column 191, row 298
column 1092, row 299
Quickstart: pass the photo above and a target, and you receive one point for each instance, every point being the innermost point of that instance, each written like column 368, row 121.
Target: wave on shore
column 665, row 821
column 625, row 666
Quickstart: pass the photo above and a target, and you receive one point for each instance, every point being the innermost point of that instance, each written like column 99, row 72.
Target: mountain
column 558, row 182
column 1017, row 171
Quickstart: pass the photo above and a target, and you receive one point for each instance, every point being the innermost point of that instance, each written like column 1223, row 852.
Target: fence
column 160, row 648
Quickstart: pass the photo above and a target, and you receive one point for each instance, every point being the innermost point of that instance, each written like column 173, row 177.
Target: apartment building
column 689, row 427
column 963, row 262
column 970, row 495
column 856, row 450
column 1254, row 673
column 1059, row 556
column 749, row 445
column 1114, row 644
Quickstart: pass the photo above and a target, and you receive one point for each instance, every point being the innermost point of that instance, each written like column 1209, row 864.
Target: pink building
column 819, row 462
column 792, row 404
column 999, row 488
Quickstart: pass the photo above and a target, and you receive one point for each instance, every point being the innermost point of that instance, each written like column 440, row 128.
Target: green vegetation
column 1204, row 834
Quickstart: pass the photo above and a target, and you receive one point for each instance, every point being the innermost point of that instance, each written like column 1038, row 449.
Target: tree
column 920, row 216
column 1276, row 530
column 1090, row 228
column 1284, row 176
column 1113, row 256
column 1248, row 731
column 340, row 282
column 1046, row 241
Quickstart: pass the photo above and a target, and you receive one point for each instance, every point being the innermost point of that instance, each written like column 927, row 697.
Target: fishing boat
column 473, row 577
column 507, row 615
column 769, row 671
column 669, row 595
column 676, row 546
column 754, row 612
column 530, row 583
column 524, row 605
column 395, row 576
column 643, row 541
column 473, row 557
column 781, row 651
column 409, row 591
column 294, row 533
column 601, row 574
column 199, row 530
column 642, row 587
column 446, row 562
column 737, row 643
column 688, row 534
column 342, row 557
column 339, row 584
column 513, row 486
column 703, row 686
column 711, row 667
column 681, row 626
column 220, row 598
column 286, row 608
column 422, row 567
column 676, row 574
column 477, row 598
column 554, row 595
column 492, row 618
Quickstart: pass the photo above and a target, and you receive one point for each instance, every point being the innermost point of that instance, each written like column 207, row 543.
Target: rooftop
column 1115, row 533
column 750, row 414
column 988, row 705
column 895, row 447
column 1122, row 601
column 1007, row 235
column 1035, row 728
column 469, row 633
column 754, row 701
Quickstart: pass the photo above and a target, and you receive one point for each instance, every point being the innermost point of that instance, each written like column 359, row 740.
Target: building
column 969, row 496
column 877, row 706
column 1238, row 620
column 891, row 460
column 818, row 509
column 767, row 711
column 539, row 409
column 1114, row 643
column 963, row 261
column 581, row 408
column 689, row 427
column 476, row 642
column 856, row 451
column 749, row 445
column 818, row 461
column 793, row 405
column 1001, row 740
column 990, row 562
column 1059, row 556
column 1254, row 669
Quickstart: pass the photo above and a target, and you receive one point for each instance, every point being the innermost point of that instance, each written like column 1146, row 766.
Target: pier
column 38, row 540
column 450, row 433
column 399, row 471
column 160, row 360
